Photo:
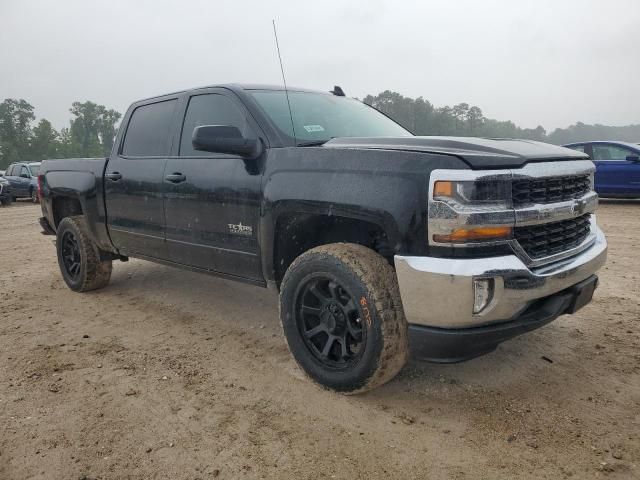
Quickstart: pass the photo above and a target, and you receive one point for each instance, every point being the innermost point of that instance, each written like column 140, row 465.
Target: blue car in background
column 617, row 167
column 23, row 179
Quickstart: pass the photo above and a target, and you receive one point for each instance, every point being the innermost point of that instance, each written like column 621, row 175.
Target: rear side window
column 610, row 152
column 149, row 130
column 211, row 109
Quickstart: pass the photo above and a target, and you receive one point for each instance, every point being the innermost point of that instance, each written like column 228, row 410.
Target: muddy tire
column 79, row 257
column 342, row 317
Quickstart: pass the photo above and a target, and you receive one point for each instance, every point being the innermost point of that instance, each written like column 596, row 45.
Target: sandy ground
column 172, row 374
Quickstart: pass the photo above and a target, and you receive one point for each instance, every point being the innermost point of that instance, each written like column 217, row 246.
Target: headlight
column 463, row 212
column 470, row 192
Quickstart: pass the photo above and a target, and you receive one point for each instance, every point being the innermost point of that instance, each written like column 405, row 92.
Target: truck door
column 212, row 200
column 134, row 180
column 615, row 174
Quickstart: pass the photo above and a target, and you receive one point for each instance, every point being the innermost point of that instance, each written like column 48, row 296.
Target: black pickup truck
column 379, row 242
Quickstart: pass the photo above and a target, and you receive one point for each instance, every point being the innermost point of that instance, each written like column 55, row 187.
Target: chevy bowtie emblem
column 578, row 207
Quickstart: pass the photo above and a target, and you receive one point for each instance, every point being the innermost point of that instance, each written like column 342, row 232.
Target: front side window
column 610, row 152
column 211, row 109
column 320, row 117
column 149, row 130
column 24, row 172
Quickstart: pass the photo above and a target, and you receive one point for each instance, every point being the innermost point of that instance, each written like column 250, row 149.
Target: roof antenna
column 284, row 80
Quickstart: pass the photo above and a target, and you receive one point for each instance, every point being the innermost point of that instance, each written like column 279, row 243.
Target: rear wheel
column 342, row 317
column 79, row 258
column 34, row 196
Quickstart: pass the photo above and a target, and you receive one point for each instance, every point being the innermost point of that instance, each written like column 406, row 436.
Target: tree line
column 422, row 118
column 92, row 128
column 90, row 133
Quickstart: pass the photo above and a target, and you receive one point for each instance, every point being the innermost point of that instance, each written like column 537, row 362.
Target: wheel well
column 65, row 207
column 297, row 233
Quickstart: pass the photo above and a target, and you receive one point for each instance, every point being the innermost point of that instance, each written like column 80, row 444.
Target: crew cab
column 378, row 242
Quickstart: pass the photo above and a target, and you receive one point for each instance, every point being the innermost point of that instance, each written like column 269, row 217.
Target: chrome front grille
column 549, row 189
column 547, row 239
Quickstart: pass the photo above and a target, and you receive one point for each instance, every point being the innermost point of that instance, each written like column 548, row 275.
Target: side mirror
column 24, row 175
column 225, row 139
column 633, row 158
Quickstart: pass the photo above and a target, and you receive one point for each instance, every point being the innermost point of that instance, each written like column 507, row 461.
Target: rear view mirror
column 633, row 158
column 225, row 139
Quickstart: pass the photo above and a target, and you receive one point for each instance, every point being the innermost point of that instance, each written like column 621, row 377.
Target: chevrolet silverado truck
column 378, row 242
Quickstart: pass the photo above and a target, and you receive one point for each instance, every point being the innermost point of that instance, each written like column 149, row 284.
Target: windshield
column 320, row 117
column 34, row 167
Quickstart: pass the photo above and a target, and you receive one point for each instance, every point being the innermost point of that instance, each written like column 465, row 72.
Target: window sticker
column 314, row 128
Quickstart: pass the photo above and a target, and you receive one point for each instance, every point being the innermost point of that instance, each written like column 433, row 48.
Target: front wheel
column 79, row 257
column 342, row 317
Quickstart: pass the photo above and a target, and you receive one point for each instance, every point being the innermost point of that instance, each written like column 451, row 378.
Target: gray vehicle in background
column 23, row 180
column 5, row 191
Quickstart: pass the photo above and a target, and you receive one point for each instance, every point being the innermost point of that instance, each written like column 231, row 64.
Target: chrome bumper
column 438, row 292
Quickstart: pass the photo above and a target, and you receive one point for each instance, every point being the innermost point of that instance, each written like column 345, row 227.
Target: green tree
column 15, row 130
column 107, row 129
column 84, row 129
column 474, row 120
column 460, row 115
column 44, row 141
column 92, row 130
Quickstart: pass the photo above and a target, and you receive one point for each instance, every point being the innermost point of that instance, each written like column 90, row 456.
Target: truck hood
column 478, row 153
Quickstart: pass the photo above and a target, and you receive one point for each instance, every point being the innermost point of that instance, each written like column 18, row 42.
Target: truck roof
column 237, row 87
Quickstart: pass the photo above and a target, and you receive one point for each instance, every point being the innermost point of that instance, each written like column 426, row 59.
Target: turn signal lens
column 462, row 235
column 443, row 189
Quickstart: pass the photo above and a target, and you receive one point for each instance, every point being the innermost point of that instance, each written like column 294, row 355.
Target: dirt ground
column 172, row 374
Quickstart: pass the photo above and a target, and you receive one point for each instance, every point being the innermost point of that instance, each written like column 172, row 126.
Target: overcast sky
column 534, row 62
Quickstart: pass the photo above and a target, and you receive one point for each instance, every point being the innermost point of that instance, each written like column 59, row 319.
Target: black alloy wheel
column 329, row 322
column 79, row 258
column 71, row 255
column 342, row 317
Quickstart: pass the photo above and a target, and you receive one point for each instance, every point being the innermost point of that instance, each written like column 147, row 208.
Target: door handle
column 176, row 177
column 115, row 176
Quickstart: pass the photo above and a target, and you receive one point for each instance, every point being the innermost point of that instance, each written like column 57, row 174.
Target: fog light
column 482, row 293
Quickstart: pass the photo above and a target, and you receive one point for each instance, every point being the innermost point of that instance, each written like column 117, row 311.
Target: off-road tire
column 370, row 279
column 93, row 273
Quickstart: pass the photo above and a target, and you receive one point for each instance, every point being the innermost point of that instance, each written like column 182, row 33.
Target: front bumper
column 449, row 345
column 438, row 292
